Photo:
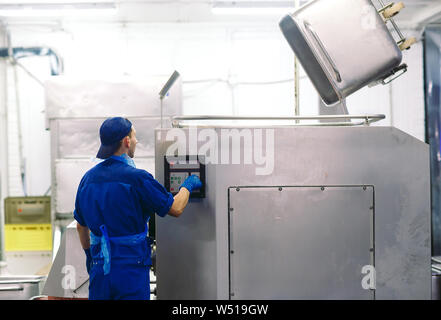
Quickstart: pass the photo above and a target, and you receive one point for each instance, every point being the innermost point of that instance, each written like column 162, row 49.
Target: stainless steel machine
column 21, row 287
column 329, row 205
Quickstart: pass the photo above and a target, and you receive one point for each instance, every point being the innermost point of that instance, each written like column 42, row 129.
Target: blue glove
column 88, row 259
column 191, row 183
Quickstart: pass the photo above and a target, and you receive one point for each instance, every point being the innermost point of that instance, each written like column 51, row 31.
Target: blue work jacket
column 122, row 198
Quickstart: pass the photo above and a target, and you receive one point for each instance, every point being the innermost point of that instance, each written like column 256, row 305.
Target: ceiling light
column 253, row 7
column 57, row 9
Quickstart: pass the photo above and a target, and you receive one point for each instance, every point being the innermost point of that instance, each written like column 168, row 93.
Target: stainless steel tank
column 343, row 45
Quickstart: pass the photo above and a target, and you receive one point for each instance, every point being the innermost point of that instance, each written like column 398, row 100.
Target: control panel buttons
column 177, row 169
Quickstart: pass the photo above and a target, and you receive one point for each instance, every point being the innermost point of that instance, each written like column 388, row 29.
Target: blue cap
column 112, row 131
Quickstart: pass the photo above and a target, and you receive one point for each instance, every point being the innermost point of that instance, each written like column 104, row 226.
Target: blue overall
column 115, row 200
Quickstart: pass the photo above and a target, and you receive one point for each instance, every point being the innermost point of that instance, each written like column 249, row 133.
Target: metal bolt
column 371, row 208
column 232, row 294
column 322, row 188
column 232, row 251
column 237, row 189
column 364, row 187
column 280, row 188
column 231, row 209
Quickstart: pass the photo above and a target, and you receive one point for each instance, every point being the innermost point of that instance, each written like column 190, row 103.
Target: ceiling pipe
column 56, row 63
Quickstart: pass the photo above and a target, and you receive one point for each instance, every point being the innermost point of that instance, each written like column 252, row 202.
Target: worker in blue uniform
column 112, row 207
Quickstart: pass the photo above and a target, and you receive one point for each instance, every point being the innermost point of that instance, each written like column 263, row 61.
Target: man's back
column 113, row 204
column 119, row 196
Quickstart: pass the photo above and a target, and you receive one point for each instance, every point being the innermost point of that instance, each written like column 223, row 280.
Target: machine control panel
column 177, row 169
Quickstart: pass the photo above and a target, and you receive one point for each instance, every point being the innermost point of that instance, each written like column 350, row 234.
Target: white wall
column 239, row 69
column 403, row 100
